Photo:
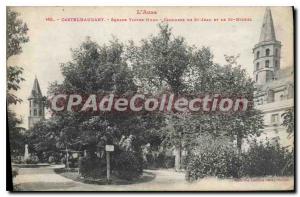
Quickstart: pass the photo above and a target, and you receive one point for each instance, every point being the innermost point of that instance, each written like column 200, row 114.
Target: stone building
column 274, row 85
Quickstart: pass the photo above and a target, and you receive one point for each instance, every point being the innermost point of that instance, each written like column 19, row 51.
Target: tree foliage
column 17, row 139
column 289, row 121
column 161, row 63
column 165, row 62
column 101, row 70
column 16, row 35
column 14, row 78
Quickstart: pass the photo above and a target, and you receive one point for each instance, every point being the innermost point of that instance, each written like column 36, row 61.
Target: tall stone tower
column 36, row 105
column 266, row 52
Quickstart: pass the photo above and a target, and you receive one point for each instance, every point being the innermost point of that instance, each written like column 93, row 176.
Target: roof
column 36, row 90
column 267, row 30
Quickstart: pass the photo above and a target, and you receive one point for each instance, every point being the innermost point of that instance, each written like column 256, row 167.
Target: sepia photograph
column 150, row 98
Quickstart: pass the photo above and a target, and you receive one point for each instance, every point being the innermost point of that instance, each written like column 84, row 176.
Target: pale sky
column 50, row 42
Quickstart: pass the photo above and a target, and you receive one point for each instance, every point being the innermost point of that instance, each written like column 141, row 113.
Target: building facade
column 274, row 84
column 36, row 105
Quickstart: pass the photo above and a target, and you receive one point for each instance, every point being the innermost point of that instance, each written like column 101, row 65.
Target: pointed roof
column 267, row 30
column 36, row 90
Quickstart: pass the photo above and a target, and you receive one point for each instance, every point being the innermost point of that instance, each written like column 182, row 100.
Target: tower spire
column 267, row 30
column 36, row 105
column 36, row 90
column 266, row 52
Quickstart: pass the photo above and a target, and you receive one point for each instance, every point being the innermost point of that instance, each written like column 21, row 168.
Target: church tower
column 36, row 105
column 266, row 52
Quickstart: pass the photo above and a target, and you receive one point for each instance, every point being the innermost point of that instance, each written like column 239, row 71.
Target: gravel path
column 45, row 179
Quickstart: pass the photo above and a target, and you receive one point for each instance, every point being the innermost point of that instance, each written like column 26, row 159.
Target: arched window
column 41, row 112
column 34, row 112
column 267, row 52
column 256, row 78
column 257, row 54
column 267, row 64
column 257, row 66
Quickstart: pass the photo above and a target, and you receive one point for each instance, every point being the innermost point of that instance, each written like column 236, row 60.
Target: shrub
column 124, row 165
column 261, row 159
column 92, row 167
column 127, row 165
column 33, row 159
column 216, row 162
column 211, row 157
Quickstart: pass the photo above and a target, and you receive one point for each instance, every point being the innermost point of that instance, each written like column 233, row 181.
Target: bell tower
column 266, row 52
column 36, row 105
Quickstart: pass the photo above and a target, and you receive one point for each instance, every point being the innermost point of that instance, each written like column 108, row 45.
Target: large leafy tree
column 232, row 81
column 101, row 70
column 16, row 35
column 160, row 63
column 164, row 62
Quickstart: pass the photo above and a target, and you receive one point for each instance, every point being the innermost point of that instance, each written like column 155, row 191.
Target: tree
column 16, row 35
column 233, row 82
column 167, row 63
column 100, row 70
column 289, row 121
column 160, row 63
column 55, row 134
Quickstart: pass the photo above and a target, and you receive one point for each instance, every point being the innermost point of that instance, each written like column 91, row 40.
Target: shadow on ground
column 73, row 175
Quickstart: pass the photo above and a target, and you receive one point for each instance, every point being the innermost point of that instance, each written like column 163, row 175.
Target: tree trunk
column 177, row 158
